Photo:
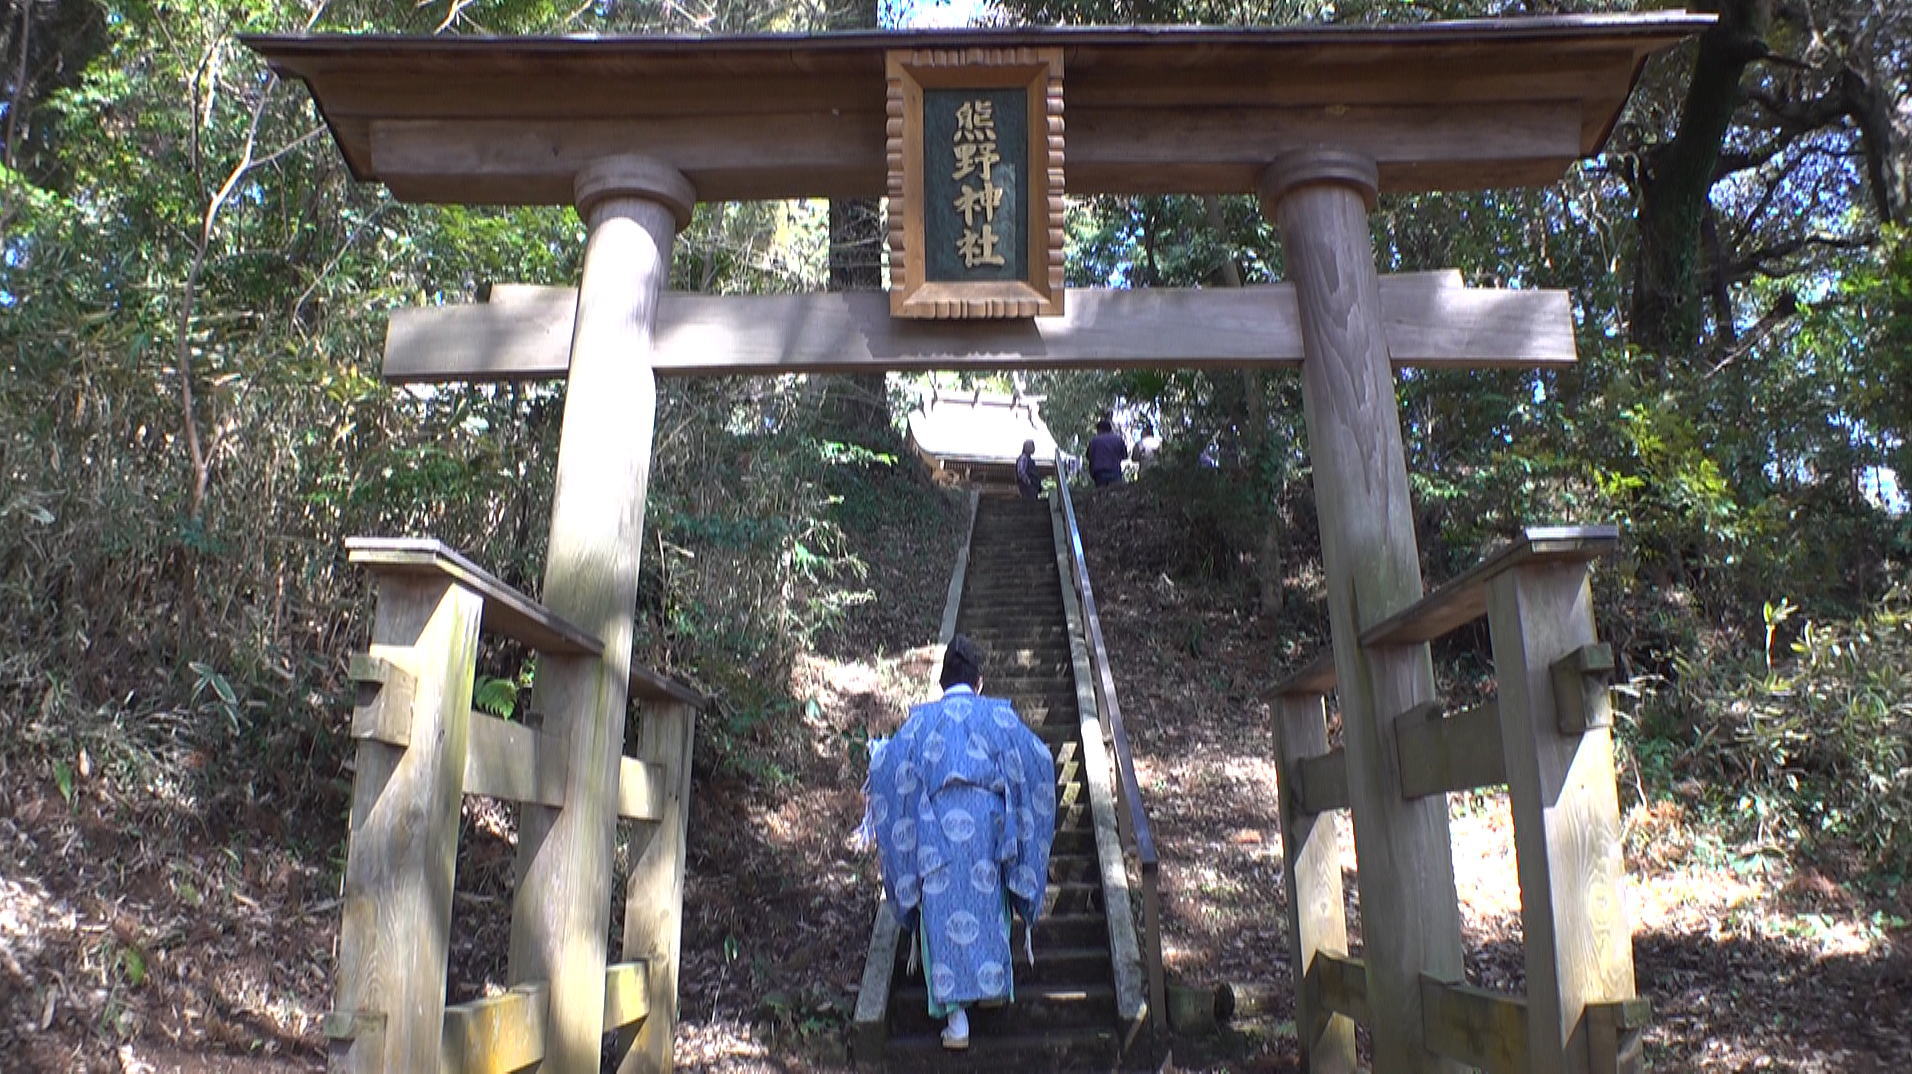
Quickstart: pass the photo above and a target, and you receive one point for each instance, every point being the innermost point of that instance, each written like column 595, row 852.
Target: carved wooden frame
column 1039, row 72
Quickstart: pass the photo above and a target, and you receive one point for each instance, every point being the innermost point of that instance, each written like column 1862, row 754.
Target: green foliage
column 1812, row 746
column 185, row 223
column 497, row 696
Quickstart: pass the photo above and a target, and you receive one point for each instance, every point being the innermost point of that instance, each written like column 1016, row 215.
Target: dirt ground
column 151, row 939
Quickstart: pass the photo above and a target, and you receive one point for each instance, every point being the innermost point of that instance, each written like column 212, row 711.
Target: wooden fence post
column 654, row 895
column 561, row 912
column 1409, row 918
column 412, row 721
column 1565, row 807
column 1311, row 857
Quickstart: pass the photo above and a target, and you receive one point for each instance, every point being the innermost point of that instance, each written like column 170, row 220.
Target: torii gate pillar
column 1409, row 915
column 633, row 207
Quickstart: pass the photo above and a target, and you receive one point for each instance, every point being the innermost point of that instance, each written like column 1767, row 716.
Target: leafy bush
column 1813, row 743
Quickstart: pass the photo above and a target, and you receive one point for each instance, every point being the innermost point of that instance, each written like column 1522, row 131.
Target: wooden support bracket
column 642, row 787
column 1340, row 984
column 1581, row 701
column 626, row 994
column 504, row 1033
column 382, row 711
column 505, row 760
column 1440, row 754
column 1321, row 782
column 1614, row 1032
column 495, row 1034
column 1478, row 1027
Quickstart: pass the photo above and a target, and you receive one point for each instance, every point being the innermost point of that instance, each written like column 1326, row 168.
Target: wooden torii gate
column 635, row 131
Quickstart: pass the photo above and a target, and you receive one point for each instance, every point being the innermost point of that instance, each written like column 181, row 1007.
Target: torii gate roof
column 1440, row 106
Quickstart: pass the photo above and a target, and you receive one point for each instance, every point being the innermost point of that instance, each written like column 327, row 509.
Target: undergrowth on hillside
column 1808, row 743
column 1791, row 730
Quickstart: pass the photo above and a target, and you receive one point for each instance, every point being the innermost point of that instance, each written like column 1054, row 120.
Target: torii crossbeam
column 1317, row 122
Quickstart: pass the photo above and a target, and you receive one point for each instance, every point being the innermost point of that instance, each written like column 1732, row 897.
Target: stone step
column 1073, row 843
column 1055, row 1048
column 1060, row 672
column 1020, row 524
column 1074, row 896
column 1012, row 583
column 1031, row 545
column 1041, row 704
column 1039, row 709
column 1039, row 1006
column 981, row 619
column 1002, row 655
column 1021, row 605
column 1074, row 818
column 1032, row 631
column 1058, row 734
column 1089, row 964
column 1054, row 650
column 1073, row 868
column 1021, row 637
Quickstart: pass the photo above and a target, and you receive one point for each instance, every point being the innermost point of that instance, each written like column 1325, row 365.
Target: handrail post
column 654, row 891
column 1311, row 856
column 415, row 687
column 1566, row 812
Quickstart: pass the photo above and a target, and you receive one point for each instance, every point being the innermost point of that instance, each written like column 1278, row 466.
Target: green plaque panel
column 975, row 227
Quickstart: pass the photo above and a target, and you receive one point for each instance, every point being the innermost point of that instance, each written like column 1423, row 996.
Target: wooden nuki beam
column 519, row 764
column 1440, row 754
column 524, row 333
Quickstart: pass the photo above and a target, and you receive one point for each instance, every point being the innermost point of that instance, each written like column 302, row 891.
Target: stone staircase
column 1064, row 1016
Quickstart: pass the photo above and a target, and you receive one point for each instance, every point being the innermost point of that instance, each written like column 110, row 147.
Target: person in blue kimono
column 963, row 802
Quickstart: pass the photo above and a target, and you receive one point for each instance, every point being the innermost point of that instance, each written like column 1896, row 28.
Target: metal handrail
column 1132, row 818
column 1138, row 834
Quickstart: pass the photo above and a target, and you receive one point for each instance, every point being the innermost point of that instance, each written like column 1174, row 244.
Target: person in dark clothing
column 1107, row 449
column 1028, row 481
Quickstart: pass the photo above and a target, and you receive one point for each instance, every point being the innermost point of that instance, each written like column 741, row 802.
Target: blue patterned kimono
column 964, row 804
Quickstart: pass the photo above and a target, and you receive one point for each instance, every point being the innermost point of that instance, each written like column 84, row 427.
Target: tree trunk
column 856, row 407
column 1885, row 136
column 1268, row 560
column 1675, row 178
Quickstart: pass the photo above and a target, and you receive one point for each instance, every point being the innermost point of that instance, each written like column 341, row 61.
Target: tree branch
column 1783, row 310
column 1759, row 262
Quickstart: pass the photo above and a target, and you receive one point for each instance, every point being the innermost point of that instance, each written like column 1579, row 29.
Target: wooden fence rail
column 1547, row 738
column 421, row 749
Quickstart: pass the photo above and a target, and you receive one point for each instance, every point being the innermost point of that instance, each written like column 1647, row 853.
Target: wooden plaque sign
column 975, row 186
